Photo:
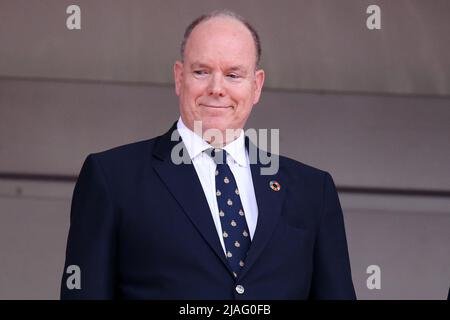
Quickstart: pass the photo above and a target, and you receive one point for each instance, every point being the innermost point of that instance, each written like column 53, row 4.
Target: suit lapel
column 182, row 181
column 269, row 210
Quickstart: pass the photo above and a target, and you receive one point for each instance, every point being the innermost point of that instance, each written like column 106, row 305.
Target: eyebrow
column 238, row 68
column 199, row 65
column 203, row 65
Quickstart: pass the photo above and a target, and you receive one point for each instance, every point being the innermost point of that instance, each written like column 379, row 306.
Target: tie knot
column 218, row 155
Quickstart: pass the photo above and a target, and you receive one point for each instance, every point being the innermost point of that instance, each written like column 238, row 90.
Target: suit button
column 240, row 289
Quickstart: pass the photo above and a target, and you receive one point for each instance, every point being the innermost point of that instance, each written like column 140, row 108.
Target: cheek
column 194, row 89
column 244, row 98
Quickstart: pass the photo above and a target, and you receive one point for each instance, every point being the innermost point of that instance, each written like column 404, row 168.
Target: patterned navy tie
column 235, row 231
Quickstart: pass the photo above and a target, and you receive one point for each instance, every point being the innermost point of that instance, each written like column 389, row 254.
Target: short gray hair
column 228, row 14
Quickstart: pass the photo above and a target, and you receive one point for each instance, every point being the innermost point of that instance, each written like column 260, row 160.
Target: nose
column 215, row 87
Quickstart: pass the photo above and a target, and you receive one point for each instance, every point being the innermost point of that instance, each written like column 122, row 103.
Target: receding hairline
column 222, row 14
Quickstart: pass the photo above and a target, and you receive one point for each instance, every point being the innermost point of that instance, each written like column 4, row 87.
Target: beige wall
column 318, row 45
column 371, row 107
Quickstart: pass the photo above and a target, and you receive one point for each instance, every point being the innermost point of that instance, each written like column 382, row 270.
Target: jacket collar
column 182, row 181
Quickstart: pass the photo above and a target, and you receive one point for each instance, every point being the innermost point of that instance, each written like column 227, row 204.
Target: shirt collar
column 195, row 145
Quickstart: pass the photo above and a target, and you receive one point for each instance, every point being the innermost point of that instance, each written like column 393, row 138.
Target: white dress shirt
column 238, row 161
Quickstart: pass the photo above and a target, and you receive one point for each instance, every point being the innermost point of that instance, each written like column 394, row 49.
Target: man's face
column 217, row 82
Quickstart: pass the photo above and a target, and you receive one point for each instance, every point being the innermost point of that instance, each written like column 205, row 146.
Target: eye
column 200, row 72
column 233, row 76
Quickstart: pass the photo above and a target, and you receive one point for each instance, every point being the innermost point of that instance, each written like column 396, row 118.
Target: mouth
column 215, row 106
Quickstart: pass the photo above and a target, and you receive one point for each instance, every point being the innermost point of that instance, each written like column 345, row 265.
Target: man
column 145, row 227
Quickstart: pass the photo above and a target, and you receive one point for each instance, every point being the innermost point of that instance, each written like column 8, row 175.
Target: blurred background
column 372, row 107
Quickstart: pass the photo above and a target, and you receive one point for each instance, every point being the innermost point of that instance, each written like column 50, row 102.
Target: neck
column 217, row 138
column 222, row 139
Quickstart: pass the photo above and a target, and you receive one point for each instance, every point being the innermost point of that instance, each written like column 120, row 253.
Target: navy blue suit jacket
column 141, row 228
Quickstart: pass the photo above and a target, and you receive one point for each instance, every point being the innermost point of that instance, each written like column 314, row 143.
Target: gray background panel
column 364, row 140
column 370, row 107
column 320, row 45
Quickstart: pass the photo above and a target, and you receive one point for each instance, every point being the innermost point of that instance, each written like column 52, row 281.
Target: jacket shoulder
column 126, row 151
column 296, row 167
column 125, row 157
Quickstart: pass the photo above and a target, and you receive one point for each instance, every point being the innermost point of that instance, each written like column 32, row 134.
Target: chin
column 214, row 124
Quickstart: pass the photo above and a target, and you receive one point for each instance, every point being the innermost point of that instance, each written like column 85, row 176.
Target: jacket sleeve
column 91, row 243
column 332, row 275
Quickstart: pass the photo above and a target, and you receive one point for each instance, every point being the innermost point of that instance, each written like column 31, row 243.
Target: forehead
column 221, row 39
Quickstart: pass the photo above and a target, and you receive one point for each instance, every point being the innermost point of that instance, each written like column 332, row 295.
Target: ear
column 259, row 81
column 178, row 76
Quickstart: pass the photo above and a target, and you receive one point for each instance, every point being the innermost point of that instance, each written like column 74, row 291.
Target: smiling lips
column 214, row 106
